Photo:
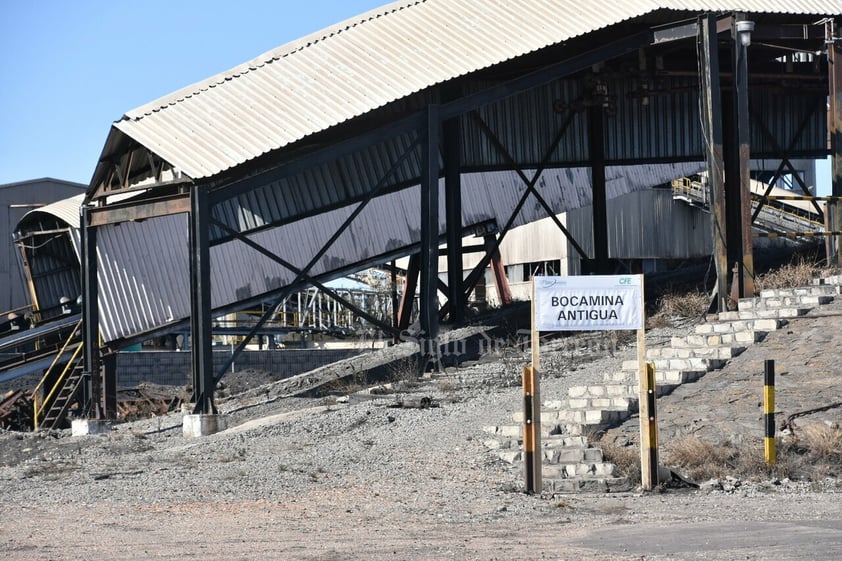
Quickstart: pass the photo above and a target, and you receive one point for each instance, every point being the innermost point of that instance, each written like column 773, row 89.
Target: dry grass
column 672, row 307
column 799, row 272
column 815, row 453
column 699, row 460
column 626, row 458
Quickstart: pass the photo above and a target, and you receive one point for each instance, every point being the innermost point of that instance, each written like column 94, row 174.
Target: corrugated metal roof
column 66, row 210
column 366, row 62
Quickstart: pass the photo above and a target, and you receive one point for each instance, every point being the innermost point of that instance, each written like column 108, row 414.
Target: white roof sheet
column 363, row 63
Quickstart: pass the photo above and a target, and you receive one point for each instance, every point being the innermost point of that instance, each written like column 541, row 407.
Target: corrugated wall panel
column 143, row 271
column 647, row 225
column 526, row 125
column 143, row 266
column 790, row 112
column 324, row 186
column 666, row 127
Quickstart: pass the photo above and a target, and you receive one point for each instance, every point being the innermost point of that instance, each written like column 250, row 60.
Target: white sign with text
column 588, row 303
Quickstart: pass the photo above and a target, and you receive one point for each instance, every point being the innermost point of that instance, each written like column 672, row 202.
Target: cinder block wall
column 173, row 367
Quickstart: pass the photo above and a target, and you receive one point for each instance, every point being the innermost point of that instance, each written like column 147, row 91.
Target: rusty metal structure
column 423, row 122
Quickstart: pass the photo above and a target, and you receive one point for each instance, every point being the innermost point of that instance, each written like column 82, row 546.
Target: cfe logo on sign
column 591, row 303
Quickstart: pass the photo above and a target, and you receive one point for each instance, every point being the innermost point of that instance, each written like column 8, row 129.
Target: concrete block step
column 548, row 430
column 816, row 289
column 579, row 469
column 571, row 455
column 586, row 485
column 601, row 390
column 611, row 403
column 598, row 417
column 723, row 352
column 773, row 302
column 736, row 338
column 663, row 378
column 761, row 313
column 670, row 364
column 564, row 441
column 834, row 281
column 505, row 445
column 502, row 443
column 510, row 456
column 725, row 327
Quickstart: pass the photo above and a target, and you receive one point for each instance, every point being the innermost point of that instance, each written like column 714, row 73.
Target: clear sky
column 69, row 68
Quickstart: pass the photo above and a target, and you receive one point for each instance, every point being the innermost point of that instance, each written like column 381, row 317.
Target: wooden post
column 646, row 406
column 532, row 410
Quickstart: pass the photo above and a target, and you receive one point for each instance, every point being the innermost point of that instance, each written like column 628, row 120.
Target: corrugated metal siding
column 526, row 125
column 144, row 268
column 367, row 62
column 143, row 271
column 667, row 127
column 647, row 225
column 55, row 270
column 325, row 186
column 789, row 112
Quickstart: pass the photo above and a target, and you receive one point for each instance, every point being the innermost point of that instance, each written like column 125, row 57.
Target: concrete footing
column 203, row 425
column 84, row 427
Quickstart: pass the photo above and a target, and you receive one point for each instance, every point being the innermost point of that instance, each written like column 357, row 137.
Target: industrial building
column 16, row 199
column 423, row 124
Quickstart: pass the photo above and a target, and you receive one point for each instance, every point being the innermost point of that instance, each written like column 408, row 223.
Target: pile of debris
column 16, row 411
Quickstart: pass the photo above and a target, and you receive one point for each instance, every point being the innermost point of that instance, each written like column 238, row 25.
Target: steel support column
column 712, row 126
column 501, row 282
column 451, row 142
column 201, row 344
column 408, row 295
column 91, row 391
column 738, row 165
column 834, row 69
column 596, row 151
column 430, row 226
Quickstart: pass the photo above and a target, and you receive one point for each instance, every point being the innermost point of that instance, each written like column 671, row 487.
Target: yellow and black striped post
column 769, row 412
column 532, row 456
column 649, row 429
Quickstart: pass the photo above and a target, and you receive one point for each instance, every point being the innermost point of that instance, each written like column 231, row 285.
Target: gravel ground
column 358, row 478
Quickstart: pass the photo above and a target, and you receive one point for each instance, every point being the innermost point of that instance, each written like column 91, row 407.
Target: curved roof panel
column 66, row 210
column 366, row 62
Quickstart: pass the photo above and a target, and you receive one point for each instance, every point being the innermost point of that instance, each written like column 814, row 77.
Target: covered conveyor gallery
column 423, row 122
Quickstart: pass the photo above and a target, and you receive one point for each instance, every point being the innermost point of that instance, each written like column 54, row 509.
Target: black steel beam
column 741, row 94
column 126, row 212
column 451, row 148
column 90, row 317
column 711, row 118
column 786, row 154
column 305, row 271
column 596, row 154
column 309, row 279
column 530, row 183
column 430, row 226
column 834, row 58
column 408, row 296
column 201, row 344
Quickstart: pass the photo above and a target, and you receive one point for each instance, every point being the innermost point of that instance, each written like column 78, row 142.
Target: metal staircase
column 775, row 216
column 64, row 380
